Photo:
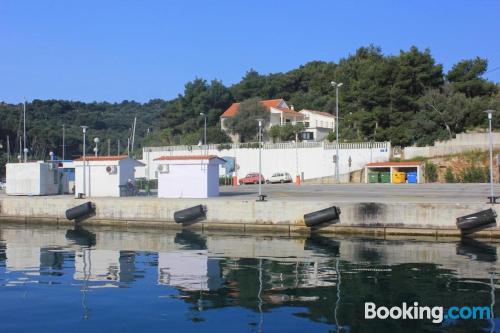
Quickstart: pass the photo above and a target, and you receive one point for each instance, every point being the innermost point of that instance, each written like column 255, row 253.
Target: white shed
column 34, row 178
column 195, row 176
column 105, row 176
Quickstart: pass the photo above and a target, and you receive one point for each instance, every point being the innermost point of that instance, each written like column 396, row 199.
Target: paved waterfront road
column 432, row 193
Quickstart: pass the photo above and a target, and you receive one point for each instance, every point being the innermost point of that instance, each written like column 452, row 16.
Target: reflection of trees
column 426, row 284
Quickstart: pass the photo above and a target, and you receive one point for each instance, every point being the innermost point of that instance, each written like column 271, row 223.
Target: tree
column 465, row 77
column 244, row 121
column 441, row 115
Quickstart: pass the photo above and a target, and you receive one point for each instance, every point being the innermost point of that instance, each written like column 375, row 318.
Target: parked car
column 280, row 177
column 2, row 186
column 252, row 178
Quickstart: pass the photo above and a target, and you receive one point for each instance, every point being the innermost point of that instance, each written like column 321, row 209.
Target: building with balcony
column 317, row 124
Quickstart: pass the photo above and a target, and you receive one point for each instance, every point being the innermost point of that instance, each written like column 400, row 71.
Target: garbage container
column 399, row 177
column 412, row 177
column 373, row 177
column 385, row 177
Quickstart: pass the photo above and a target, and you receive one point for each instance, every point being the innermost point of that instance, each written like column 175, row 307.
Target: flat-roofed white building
column 35, row 178
column 317, row 125
column 194, row 176
column 105, row 176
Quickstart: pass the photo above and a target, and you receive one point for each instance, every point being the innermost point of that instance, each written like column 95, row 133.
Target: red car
column 252, row 178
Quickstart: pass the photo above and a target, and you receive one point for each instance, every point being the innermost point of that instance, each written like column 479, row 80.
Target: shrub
column 475, row 174
column 225, row 180
column 430, row 172
column 331, row 137
column 449, row 176
column 223, row 146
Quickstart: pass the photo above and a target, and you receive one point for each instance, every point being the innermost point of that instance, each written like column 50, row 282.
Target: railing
column 281, row 145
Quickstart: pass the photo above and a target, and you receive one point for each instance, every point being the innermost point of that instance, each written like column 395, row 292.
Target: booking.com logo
column 416, row 312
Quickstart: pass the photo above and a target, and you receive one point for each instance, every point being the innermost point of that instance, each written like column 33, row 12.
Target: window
column 287, row 121
column 306, row 124
column 307, row 135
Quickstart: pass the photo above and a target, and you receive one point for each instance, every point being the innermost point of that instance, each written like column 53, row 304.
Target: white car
column 2, row 186
column 280, row 177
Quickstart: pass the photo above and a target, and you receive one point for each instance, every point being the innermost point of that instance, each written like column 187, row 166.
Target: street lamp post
column 84, row 129
column 492, row 197
column 96, row 148
column 337, row 86
column 25, row 150
column 261, row 196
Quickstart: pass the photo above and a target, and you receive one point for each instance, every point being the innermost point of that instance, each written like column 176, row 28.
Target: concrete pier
column 283, row 213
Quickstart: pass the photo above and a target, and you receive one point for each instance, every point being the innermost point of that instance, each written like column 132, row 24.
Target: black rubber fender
column 478, row 221
column 189, row 214
column 322, row 216
column 80, row 211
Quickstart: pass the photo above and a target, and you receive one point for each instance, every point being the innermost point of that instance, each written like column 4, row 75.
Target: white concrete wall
column 32, row 178
column 461, row 143
column 183, row 181
column 314, row 159
column 98, row 182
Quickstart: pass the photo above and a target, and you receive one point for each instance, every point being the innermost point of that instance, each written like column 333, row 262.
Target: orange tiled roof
column 270, row 103
column 389, row 164
column 103, row 158
column 291, row 112
column 187, row 157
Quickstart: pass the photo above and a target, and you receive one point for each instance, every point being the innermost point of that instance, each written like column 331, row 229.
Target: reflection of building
column 188, row 270
column 96, row 265
column 22, row 257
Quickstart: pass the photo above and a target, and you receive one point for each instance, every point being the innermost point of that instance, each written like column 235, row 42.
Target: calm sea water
column 55, row 279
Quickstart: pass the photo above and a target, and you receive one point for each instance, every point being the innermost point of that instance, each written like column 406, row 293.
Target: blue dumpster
column 411, row 177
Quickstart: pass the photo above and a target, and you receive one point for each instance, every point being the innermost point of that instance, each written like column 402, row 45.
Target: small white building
column 317, row 125
column 195, row 176
column 35, row 178
column 105, row 176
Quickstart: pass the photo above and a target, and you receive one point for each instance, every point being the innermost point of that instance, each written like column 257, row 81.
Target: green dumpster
column 385, row 177
column 373, row 177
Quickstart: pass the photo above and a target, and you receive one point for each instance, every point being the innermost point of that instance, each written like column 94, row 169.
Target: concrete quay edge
column 274, row 216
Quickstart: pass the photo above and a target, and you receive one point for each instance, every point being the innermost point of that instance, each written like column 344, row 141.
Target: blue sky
column 137, row 50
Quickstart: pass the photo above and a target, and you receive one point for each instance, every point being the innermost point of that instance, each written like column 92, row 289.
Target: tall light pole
column 337, row 86
column 204, row 128
column 96, row 148
column 493, row 199
column 297, row 176
column 84, row 129
column 63, row 145
column 25, row 150
column 261, row 197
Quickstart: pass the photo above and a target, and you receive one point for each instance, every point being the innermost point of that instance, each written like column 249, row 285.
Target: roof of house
column 326, row 114
column 188, row 157
column 103, row 158
column 400, row 164
column 108, row 159
column 291, row 112
column 270, row 103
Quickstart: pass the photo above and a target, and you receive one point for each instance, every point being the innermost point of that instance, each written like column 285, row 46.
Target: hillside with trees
column 406, row 98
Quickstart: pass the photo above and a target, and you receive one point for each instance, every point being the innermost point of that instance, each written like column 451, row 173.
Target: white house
column 280, row 114
column 195, row 176
column 35, row 178
column 317, row 125
column 105, row 176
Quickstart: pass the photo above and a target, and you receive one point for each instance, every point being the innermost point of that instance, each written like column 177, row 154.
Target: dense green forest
column 405, row 98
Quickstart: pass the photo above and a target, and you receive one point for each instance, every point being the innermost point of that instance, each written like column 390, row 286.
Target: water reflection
column 248, row 282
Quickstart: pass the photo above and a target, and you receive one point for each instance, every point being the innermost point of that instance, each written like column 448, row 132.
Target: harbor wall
column 282, row 216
